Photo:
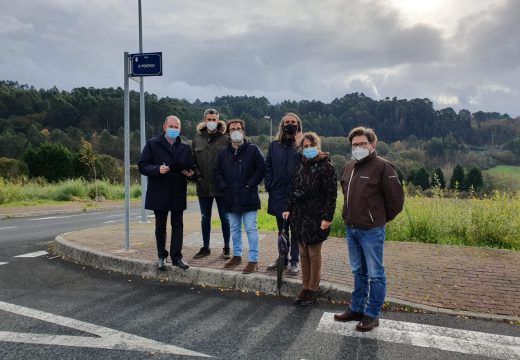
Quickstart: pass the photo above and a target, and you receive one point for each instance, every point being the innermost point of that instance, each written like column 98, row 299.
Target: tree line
column 412, row 133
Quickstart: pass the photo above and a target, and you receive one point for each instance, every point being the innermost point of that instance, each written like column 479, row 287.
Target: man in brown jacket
column 211, row 138
column 373, row 196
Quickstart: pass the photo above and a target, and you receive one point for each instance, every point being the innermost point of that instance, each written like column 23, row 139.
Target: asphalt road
column 90, row 314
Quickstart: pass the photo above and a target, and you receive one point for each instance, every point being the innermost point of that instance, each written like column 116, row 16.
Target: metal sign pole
column 127, row 153
column 142, row 128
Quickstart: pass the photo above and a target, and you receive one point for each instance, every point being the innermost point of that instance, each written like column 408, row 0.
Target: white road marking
column 33, row 254
column 107, row 338
column 428, row 336
column 110, row 221
column 63, row 216
column 8, row 227
column 3, row 263
column 51, row 218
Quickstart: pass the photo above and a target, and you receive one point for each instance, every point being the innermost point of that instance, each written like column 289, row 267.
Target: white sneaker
column 295, row 269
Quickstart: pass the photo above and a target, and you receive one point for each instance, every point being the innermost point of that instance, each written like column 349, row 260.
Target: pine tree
column 457, row 178
column 421, row 179
column 473, row 179
column 438, row 179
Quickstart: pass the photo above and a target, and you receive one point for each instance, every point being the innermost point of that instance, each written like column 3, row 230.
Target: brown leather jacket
column 372, row 192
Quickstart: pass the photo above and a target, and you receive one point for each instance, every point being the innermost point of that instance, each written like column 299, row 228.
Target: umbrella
column 283, row 250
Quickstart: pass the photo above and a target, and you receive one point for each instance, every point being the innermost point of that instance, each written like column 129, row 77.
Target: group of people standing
column 302, row 188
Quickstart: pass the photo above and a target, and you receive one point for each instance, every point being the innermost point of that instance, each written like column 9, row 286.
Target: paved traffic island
column 467, row 281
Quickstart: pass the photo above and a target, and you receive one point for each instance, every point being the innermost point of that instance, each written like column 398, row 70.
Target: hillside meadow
column 505, row 177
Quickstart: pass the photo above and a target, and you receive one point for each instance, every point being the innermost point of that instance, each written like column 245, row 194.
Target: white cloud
column 460, row 54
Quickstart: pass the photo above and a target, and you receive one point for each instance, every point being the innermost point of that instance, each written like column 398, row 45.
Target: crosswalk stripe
column 105, row 338
column 3, row 263
column 429, row 336
column 33, row 254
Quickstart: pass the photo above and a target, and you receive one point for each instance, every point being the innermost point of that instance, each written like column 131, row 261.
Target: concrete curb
column 231, row 280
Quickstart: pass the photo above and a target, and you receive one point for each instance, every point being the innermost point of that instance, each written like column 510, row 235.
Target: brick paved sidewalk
column 451, row 277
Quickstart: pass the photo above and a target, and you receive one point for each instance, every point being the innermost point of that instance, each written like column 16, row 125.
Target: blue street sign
column 146, row 64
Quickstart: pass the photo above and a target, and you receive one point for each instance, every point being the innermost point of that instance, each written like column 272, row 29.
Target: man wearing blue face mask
column 168, row 162
column 373, row 196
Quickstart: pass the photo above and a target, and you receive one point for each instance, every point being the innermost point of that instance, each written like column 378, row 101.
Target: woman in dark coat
column 311, row 208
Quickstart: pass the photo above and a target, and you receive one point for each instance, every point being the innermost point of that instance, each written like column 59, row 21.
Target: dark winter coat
column 165, row 191
column 205, row 148
column 238, row 173
column 313, row 199
column 372, row 191
column 281, row 161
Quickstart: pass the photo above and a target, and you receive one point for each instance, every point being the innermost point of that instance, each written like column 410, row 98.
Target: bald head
column 172, row 122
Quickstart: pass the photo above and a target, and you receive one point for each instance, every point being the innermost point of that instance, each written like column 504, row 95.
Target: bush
column 70, row 190
column 53, row 162
column 12, row 169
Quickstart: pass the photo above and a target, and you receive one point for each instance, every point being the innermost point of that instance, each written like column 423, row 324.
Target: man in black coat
column 168, row 162
column 240, row 168
column 282, row 160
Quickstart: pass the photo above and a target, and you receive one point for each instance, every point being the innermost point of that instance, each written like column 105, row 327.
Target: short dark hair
column 210, row 111
column 360, row 131
column 233, row 121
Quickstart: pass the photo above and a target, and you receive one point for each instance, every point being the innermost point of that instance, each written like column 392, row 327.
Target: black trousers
column 161, row 218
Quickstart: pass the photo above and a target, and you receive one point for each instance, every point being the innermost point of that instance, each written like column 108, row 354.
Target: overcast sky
column 458, row 53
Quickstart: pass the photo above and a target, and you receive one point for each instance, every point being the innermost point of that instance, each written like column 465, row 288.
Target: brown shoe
column 298, row 300
column 367, row 324
column 310, row 298
column 235, row 260
column 251, row 267
column 349, row 315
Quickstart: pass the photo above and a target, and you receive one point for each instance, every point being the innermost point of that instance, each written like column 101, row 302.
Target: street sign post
column 146, row 64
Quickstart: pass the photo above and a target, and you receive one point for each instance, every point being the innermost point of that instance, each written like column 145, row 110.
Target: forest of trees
column 412, row 132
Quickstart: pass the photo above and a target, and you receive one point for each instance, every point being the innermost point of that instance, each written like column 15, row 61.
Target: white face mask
column 211, row 125
column 236, row 136
column 359, row 153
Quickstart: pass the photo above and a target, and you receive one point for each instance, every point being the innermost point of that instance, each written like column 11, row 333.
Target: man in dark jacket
column 167, row 161
column 240, row 168
column 210, row 140
column 282, row 159
column 373, row 196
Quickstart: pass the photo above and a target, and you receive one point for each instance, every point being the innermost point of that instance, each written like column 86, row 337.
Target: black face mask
column 290, row 129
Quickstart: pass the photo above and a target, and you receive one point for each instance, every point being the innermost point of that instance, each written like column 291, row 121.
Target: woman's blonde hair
column 313, row 138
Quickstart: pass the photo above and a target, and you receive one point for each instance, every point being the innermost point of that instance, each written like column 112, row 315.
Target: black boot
column 311, row 298
column 299, row 299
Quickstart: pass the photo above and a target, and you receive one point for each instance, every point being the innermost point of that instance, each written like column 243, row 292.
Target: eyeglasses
column 360, row 144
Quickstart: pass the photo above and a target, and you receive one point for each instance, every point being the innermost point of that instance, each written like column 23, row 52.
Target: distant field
column 505, row 170
column 505, row 178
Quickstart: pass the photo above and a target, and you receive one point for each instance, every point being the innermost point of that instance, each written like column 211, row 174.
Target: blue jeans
column 206, row 204
column 249, row 219
column 365, row 250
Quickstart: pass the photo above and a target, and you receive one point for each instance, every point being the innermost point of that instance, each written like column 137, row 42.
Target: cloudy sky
column 463, row 53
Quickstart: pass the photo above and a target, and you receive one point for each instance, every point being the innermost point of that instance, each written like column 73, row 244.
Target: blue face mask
column 172, row 133
column 310, row 153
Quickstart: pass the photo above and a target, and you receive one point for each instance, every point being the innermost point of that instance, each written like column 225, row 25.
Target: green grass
column 489, row 222
column 492, row 221
column 37, row 193
column 505, row 177
column 505, row 170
